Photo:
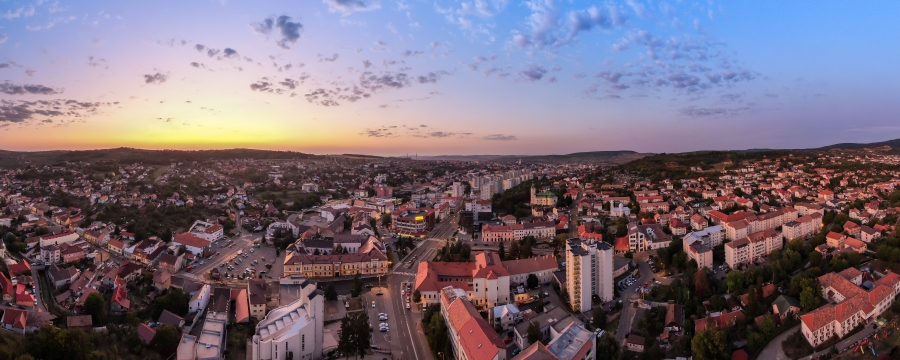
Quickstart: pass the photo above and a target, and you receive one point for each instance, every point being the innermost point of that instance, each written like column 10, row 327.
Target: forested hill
column 130, row 155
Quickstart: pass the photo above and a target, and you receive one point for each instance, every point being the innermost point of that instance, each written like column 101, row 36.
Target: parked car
column 373, row 304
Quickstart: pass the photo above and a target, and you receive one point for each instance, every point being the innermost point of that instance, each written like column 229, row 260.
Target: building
column 515, row 232
column 804, row 226
column 194, row 244
column 256, row 298
column 543, row 198
column 67, row 237
column 211, row 342
column 835, row 240
column 573, row 342
column 700, row 253
column 487, row 281
column 710, row 236
column 293, row 331
column 752, row 247
column 368, row 259
column 207, row 231
column 16, row 320
column 589, row 272
column 647, row 237
column 471, row 336
column 413, row 222
column 849, row 304
column 785, row 305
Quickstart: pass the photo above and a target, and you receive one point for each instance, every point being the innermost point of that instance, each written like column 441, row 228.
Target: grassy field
column 158, row 172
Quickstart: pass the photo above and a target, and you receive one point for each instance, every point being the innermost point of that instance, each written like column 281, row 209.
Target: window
column 302, row 343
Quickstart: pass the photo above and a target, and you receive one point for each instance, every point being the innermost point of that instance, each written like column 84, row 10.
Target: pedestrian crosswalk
column 403, row 273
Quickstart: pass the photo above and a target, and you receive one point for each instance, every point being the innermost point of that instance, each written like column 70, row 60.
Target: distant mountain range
column 595, row 157
column 894, row 144
column 130, row 155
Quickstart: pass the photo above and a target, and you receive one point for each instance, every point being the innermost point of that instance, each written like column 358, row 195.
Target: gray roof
column 546, row 318
column 784, row 303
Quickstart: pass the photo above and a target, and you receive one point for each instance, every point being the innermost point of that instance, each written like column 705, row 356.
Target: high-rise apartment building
column 589, row 271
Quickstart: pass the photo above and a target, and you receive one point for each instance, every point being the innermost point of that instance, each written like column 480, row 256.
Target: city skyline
column 440, row 78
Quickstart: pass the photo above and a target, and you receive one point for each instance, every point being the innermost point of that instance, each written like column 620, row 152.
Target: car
column 222, row 265
column 407, row 306
column 379, row 293
column 373, row 304
column 382, row 316
column 384, row 329
column 384, row 324
column 201, row 262
column 369, row 286
column 516, row 352
column 251, row 249
column 637, row 289
column 508, row 339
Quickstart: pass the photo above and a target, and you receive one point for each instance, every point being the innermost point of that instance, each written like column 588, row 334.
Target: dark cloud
column 374, row 82
column 431, row 77
column 331, row 58
column 230, row 53
column 697, row 112
column 197, row 65
column 440, row 134
column 93, row 62
column 157, row 78
column 261, row 86
column 4, row 65
column 348, row 6
column 18, row 111
column 289, row 83
column 366, row 64
column 500, row 137
column 199, row 47
column 533, row 73
column 409, row 53
column 289, row 31
column 12, row 89
column 212, row 52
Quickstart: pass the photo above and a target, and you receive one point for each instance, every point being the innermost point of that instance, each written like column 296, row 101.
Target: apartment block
column 589, row 271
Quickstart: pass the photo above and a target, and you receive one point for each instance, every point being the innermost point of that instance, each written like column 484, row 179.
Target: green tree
column 355, row 338
column 598, row 318
column 502, row 252
column 357, row 286
column 417, row 296
column 809, row 300
column 532, row 281
column 710, row 344
column 166, row 339
column 330, row 293
column 534, row 332
column 607, row 347
column 95, row 306
column 735, row 281
column 176, row 301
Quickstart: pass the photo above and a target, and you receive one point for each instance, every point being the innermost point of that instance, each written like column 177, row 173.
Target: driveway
column 773, row 348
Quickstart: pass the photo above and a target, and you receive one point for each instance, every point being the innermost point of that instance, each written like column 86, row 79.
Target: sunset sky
column 390, row 77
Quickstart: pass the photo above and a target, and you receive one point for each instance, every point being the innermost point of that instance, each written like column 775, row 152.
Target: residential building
column 804, row 226
column 368, row 259
column 589, row 272
column 292, row 331
column 540, row 230
column 256, row 298
column 194, row 244
column 700, row 253
column 710, row 236
column 647, row 237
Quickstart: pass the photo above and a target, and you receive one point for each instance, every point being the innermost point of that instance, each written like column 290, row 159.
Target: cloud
column 157, row 78
column 533, row 73
column 261, row 86
column 697, row 112
column 93, row 62
column 637, row 7
column 20, row 111
column 500, row 137
column 288, row 31
column 3, row 38
column 347, row 7
column 331, row 58
column 366, row 64
column 197, row 65
column 440, row 134
column 199, row 47
column 12, row 89
column 431, row 77
column 230, row 53
column 20, row 12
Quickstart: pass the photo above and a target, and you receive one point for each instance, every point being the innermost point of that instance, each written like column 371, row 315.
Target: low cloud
column 699, row 112
column 288, row 32
column 332, row 58
column 157, row 78
column 533, row 73
column 500, row 137
column 230, row 53
column 13, row 89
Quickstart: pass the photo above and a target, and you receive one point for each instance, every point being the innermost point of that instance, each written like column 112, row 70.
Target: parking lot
column 237, row 257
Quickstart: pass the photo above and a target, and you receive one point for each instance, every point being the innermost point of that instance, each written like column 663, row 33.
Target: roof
column 76, row 321
column 536, row 351
column 256, row 292
column 146, row 333
column 192, row 240
column 167, row 317
column 15, row 318
column 784, row 303
column 477, row 339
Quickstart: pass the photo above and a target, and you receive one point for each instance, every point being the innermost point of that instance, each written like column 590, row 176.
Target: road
column 773, row 351
column 628, row 295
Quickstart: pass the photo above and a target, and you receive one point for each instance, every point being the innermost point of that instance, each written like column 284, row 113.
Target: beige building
column 589, row 272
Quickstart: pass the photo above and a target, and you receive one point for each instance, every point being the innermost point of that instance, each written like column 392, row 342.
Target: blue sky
column 447, row 77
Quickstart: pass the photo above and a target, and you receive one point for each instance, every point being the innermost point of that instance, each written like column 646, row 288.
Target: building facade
column 589, row 271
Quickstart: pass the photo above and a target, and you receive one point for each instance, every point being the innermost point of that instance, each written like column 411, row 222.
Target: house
column 674, row 317
column 15, row 320
column 146, row 334
column 835, row 240
column 62, row 277
column 171, row 263
column 116, row 247
column 852, row 228
column 7, row 288
column 505, row 316
column 256, row 298
column 162, row 280
column 199, row 300
column 20, row 268
column 868, row 234
column 83, row 322
column 194, row 244
column 119, row 301
column 785, row 305
column 167, row 317
column 129, row 271
column 635, row 343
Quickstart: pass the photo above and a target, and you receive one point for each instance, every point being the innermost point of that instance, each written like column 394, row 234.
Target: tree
column 607, row 347
column 815, row 258
column 809, row 300
column 330, row 293
column 539, row 307
column 534, row 332
column 735, row 281
column 701, row 282
column 710, row 344
column 502, row 252
column 357, row 286
column 355, row 338
column 598, row 318
column 95, row 306
column 532, row 281
column 513, row 251
column 176, row 301
column 417, row 296
column 166, row 339
column 132, row 319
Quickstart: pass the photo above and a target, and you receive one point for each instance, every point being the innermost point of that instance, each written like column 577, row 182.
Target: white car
column 382, row 317
column 407, row 306
column 373, row 304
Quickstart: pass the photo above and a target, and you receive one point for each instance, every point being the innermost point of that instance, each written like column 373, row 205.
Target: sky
column 395, row 77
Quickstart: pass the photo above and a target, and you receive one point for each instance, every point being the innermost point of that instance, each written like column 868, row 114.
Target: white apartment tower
column 589, row 271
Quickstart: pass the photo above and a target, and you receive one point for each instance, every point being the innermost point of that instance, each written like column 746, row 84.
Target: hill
column 591, row 157
column 674, row 166
column 894, row 144
column 130, row 156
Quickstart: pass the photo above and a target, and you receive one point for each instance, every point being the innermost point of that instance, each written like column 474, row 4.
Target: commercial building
column 647, row 237
column 369, row 259
column 849, row 304
column 412, row 222
column 589, row 272
column 294, row 331
column 515, row 232
column 486, row 282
